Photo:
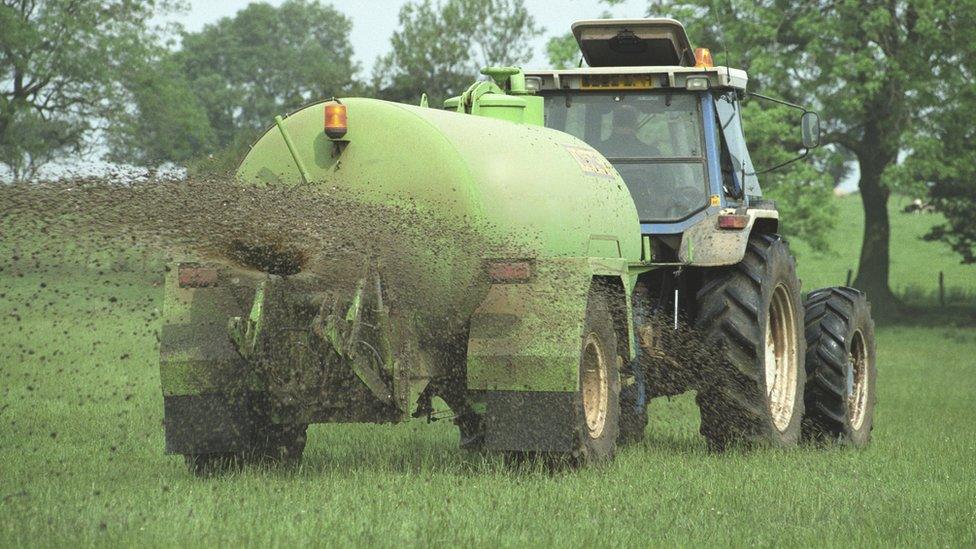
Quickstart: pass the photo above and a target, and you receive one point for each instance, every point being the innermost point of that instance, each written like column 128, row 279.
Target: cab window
column 727, row 107
column 654, row 140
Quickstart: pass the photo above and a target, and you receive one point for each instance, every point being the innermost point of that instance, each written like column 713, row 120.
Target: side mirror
column 810, row 124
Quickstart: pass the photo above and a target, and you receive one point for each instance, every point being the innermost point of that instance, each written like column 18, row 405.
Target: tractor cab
column 661, row 113
column 666, row 118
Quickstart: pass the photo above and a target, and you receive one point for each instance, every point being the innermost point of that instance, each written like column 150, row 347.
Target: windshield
column 653, row 139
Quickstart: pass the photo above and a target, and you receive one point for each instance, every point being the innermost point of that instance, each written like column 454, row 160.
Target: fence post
column 850, row 273
column 941, row 289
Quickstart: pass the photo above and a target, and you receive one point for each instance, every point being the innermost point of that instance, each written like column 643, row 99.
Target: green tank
column 512, row 189
column 486, row 233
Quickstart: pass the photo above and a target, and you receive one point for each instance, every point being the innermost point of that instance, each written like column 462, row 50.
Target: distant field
column 81, row 459
column 915, row 264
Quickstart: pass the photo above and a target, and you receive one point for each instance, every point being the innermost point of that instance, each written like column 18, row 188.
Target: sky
column 375, row 20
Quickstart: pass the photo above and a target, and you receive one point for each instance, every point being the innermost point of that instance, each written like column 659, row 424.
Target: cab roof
column 623, row 78
column 635, row 54
column 633, row 42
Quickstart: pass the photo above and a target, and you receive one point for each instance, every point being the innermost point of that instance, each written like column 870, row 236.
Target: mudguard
column 524, row 352
column 526, row 336
column 208, row 397
column 196, row 355
column 705, row 245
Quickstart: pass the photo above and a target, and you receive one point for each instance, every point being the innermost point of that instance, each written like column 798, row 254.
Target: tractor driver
column 623, row 141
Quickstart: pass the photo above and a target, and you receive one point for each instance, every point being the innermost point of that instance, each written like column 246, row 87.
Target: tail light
column 192, row 275
column 336, row 120
column 507, row 272
column 733, row 222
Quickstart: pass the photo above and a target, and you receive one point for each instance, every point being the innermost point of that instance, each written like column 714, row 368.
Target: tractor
column 625, row 252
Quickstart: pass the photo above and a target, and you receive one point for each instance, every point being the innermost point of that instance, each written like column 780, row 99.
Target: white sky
column 375, row 20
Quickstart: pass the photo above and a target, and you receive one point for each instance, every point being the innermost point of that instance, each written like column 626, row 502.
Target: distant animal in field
column 918, row 207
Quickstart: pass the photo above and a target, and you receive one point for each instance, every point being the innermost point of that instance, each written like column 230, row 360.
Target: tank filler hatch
column 634, row 43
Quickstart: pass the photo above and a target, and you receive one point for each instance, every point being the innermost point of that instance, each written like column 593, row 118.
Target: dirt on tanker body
column 286, row 231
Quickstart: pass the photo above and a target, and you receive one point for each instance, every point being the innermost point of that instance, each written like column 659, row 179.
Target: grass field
column 81, row 459
column 915, row 264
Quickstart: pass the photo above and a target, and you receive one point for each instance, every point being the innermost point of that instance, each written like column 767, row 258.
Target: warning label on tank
column 592, row 162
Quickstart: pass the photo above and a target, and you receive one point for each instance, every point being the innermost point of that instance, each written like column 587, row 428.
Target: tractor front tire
column 841, row 370
column 751, row 318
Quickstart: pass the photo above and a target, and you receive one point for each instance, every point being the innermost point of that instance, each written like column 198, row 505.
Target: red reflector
column 195, row 276
column 510, row 271
column 336, row 120
column 733, row 221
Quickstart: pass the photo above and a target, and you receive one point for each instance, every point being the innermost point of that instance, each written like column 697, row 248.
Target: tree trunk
column 873, row 269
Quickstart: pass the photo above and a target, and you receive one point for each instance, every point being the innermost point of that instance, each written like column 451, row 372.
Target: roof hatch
column 633, row 42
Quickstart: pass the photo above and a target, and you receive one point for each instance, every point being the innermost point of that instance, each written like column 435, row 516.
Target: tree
column 872, row 67
column 441, row 46
column 266, row 61
column 943, row 160
column 60, row 64
column 165, row 120
column 562, row 51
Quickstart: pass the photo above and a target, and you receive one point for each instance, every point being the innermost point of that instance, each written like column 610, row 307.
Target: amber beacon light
column 703, row 58
column 336, row 120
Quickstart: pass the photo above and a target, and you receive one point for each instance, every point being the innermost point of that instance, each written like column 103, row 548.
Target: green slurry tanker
column 562, row 247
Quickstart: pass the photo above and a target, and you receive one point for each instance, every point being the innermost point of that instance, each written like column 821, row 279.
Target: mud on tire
column 840, row 364
column 750, row 316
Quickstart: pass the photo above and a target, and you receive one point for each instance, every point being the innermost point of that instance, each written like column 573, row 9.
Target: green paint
column 246, row 333
column 291, row 149
column 489, row 99
column 518, row 186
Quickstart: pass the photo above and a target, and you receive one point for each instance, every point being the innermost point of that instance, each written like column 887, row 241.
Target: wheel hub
column 595, row 386
column 781, row 358
column 857, row 396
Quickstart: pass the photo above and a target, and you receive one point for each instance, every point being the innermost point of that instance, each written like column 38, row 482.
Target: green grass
column 81, row 459
column 915, row 264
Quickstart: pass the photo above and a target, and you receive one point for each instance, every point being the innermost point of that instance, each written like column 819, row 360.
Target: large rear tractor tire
column 841, row 370
column 273, row 444
column 750, row 315
column 598, row 400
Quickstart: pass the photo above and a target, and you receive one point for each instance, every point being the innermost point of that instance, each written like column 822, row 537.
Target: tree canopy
column 267, row 60
column 943, row 160
column 165, row 121
column 61, row 62
column 441, row 46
